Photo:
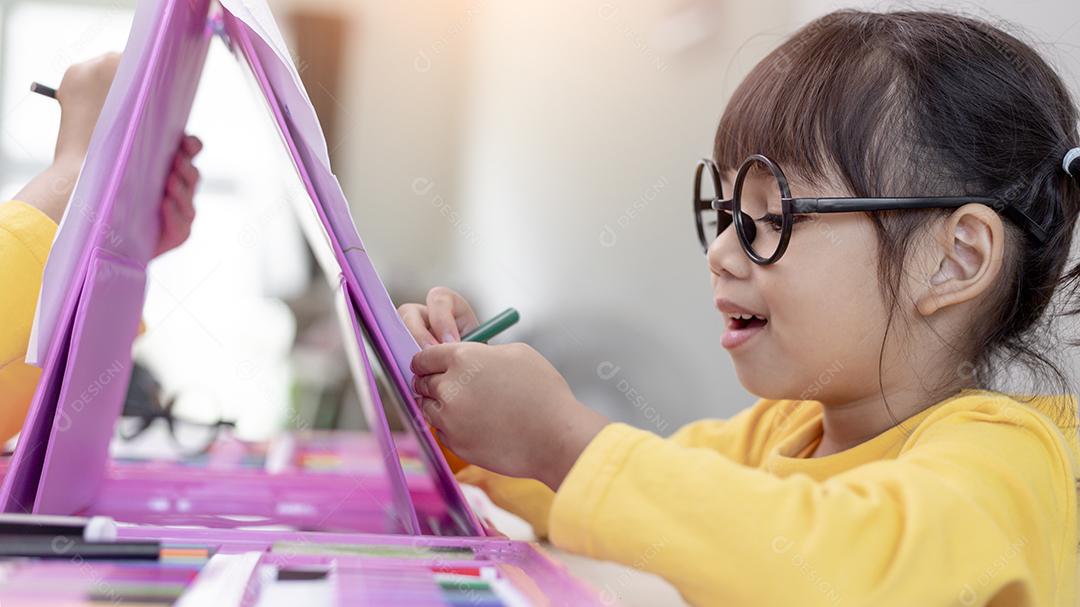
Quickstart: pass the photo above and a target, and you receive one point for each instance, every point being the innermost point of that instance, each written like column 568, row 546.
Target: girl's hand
column 177, row 205
column 81, row 94
column 446, row 315
column 504, row 408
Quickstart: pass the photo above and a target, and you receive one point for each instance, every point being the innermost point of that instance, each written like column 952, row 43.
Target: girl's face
column 824, row 316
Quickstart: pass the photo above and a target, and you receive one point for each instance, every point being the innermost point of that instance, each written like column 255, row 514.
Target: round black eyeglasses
column 771, row 207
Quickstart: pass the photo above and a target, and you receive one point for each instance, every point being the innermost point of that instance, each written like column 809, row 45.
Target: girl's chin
column 765, row 377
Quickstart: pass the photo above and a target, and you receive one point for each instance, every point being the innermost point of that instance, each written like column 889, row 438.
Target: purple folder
column 95, row 279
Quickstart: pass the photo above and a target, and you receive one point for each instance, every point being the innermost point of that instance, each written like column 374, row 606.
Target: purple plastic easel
column 94, row 285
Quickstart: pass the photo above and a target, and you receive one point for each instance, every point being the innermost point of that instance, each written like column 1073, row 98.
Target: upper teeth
column 747, row 316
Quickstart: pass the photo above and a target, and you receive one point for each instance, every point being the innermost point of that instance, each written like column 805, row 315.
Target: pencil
column 41, row 89
column 488, row 330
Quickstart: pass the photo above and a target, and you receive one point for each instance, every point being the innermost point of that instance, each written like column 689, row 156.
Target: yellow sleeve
column 528, row 498
column 740, row 438
column 26, row 234
column 745, row 437
column 981, row 505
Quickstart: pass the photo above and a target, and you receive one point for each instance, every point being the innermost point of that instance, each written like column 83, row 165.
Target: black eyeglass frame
column 165, row 412
column 791, row 207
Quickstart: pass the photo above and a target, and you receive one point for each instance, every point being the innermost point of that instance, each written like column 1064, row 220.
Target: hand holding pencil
column 443, row 318
column 504, row 408
column 449, row 314
column 81, row 95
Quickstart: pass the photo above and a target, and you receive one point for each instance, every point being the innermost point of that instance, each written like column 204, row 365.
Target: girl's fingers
column 446, row 308
column 422, row 385
column 441, row 318
column 433, row 386
column 186, row 207
column 415, row 317
column 432, row 410
column 183, row 167
column 435, row 359
column 177, row 205
column 181, row 233
column 465, row 317
column 177, row 188
column 170, row 216
column 467, row 322
column 191, row 145
column 175, row 228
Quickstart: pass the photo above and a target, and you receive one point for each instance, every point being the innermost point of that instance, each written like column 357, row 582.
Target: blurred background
column 527, row 154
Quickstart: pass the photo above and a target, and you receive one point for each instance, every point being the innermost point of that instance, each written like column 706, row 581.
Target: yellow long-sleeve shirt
column 971, row 502
column 26, row 234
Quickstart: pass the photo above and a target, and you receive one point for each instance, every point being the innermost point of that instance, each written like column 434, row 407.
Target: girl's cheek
column 826, row 286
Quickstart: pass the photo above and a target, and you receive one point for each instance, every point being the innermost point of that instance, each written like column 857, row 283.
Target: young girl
column 28, row 224
column 889, row 207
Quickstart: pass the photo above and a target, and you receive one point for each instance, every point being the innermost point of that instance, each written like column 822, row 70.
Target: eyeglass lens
column 759, row 201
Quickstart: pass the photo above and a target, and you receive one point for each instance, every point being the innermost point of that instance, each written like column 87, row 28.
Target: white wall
column 500, row 146
column 486, row 145
column 582, row 132
column 399, row 118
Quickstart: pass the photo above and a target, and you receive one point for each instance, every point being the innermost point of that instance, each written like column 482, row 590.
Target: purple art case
column 87, row 317
column 94, row 282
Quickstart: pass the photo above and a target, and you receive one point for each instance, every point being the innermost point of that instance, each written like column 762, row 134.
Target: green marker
column 503, row 321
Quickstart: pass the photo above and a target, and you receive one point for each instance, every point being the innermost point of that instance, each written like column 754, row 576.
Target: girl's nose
column 725, row 255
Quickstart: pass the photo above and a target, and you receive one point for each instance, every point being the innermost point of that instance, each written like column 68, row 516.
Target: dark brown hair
column 929, row 104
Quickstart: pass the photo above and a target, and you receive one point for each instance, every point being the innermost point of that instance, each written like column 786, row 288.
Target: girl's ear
column 966, row 258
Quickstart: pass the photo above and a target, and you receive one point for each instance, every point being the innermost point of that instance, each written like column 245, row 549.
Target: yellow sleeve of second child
column 26, row 234
column 740, row 438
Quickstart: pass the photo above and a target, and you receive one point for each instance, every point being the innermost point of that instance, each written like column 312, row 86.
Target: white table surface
column 617, row 584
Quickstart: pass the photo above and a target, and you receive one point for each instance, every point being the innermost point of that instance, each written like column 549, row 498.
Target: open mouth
column 741, row 328
column 746, row 321
column 740, row 323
